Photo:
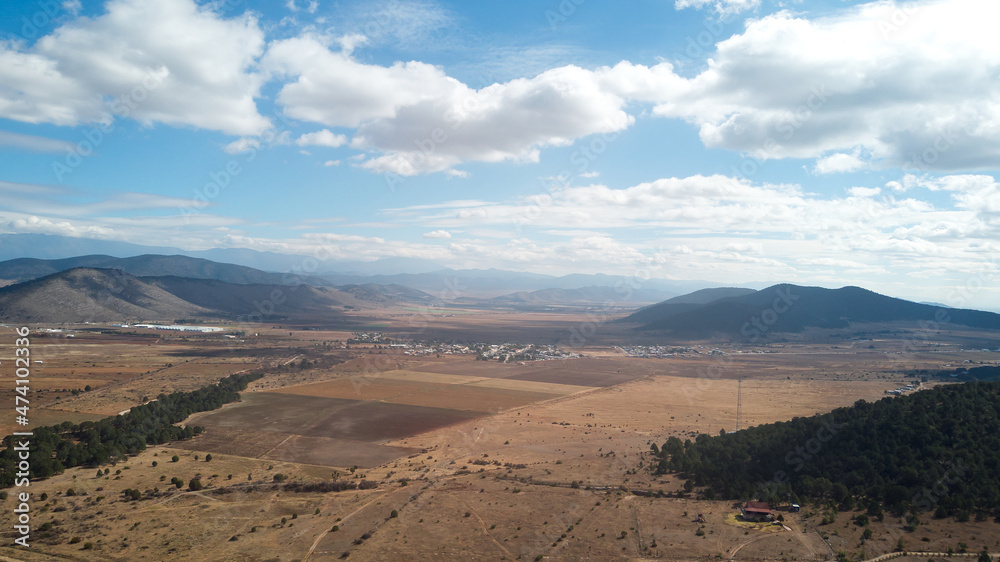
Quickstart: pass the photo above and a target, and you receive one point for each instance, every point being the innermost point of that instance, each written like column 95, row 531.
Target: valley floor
column 467, row 460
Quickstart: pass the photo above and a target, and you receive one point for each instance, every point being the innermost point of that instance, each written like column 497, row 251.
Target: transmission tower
column 739, row 404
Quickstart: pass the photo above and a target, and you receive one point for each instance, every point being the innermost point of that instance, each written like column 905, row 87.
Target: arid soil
column 467, row 460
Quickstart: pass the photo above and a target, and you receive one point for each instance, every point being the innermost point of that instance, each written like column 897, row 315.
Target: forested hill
column 788, row 308
column 936, row 449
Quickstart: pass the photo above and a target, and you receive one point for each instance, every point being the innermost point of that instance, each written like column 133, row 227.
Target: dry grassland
column 480, row 461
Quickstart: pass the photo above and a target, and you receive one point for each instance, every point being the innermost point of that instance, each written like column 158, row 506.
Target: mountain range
column 111, row 295
column 491, row 287
column 424, row 275
column 146, row 265
column 102, row 287
column 169, row 288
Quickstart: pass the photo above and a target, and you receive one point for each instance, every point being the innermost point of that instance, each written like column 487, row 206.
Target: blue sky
column 820, row 142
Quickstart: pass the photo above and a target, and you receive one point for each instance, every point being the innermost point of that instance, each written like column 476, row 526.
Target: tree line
column 55, row 448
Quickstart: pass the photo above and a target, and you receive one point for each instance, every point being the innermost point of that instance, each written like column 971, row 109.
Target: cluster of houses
column 418, row 349
column 506, row 352
column 901, row 390
column 512, row 352
column 655, row 351
column 368, row 337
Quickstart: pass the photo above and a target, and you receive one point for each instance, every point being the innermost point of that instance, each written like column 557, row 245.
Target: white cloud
column 329, row 163
column 864, row 191
column 156, row 61
column 72, row 7
column 34, row 143
column 322, row 138
column 41, row 225
column 310, row 7
column 977, row 193
column 839, row 163
column 724, row 7
column 912, row 85
column 442, row 234
column 592, row 174
column 339, row 237
column 350, row 42
column 917, row 92
column 772, row 223
column 745, row 247
column 502, row 122
column 333, row 89
column 9, row 189
column 243, row 144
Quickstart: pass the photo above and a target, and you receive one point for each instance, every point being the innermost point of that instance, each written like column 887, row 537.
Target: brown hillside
column 91, row 295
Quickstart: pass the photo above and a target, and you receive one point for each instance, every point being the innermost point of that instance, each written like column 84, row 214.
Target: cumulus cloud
column 511, row 121
column 443, row 234
column 156, row 61
column 914, row 94
column 332, row 88
column 322, row 138
column 416, row 119
column 909, row 85
column 913, row 84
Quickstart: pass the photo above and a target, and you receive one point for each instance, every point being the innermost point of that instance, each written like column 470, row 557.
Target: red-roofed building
column 757, row 511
